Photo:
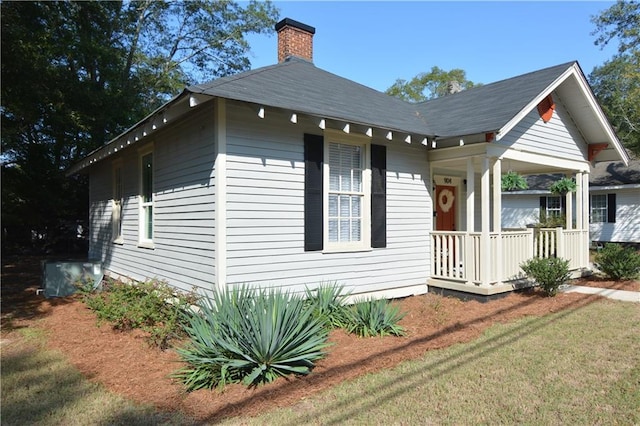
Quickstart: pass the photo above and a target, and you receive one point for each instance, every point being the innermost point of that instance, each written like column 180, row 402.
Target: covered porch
column 471, row 251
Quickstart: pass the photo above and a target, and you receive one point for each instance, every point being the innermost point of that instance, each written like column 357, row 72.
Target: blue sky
column 376, row 42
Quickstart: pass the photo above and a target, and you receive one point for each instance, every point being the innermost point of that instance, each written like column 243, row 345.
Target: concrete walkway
column 624, row 295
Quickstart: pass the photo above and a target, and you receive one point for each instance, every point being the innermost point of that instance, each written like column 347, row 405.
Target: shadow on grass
column 40, row 387
column 21, row 278
column 403, row 385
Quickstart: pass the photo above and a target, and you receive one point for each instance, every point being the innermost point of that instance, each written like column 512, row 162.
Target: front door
column 445, row 208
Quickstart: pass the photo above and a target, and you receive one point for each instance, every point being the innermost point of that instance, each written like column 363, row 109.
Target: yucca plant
column 250, row 336
column 328, row 302
column 374, row 318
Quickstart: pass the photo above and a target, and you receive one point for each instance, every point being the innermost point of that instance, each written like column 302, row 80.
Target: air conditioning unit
column 59, row 277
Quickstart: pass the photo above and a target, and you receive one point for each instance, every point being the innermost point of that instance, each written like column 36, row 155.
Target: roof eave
column 573, row 70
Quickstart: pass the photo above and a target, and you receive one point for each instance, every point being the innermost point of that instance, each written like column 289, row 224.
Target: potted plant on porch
column 563, row 186
column 512, row 181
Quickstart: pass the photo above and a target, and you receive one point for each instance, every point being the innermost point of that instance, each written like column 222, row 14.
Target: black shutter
column 563, row 205
column 543, row 208
column 313, row 157
column 378, row 196
column 611, row 208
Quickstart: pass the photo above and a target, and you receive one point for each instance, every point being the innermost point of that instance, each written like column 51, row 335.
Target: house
column 290, row 176
column 614, row 202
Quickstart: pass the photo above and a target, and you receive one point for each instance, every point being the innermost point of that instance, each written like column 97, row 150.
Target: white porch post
column 568, row 202
column 471, row 184
column 579, row 202
column 485, row 243
column 585, row 217
column 497, row 217
column 469, row 255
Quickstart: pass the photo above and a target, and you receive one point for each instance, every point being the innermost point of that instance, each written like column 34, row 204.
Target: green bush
column 328, row 302
column 251, row 336
column 374, row 318
column 617, row 262
column 550, row 272
column 152, row 306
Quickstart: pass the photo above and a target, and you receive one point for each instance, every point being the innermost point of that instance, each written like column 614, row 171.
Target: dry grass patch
column 39, row 386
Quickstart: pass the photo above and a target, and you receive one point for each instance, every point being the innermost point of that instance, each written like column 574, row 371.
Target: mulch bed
column 126, row 365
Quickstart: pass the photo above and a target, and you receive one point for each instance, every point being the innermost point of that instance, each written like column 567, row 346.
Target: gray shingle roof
column 607, row 173
column 613, row 173
column 300, row 86
column 487, row 108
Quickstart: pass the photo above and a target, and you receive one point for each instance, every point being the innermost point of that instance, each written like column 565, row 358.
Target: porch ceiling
column 454, row 159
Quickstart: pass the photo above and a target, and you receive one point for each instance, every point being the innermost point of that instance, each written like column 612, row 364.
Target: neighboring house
column 614, row 200
column 289, row 176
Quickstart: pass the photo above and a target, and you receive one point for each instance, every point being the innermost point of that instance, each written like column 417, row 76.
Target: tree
column 432, row 84
column 616, row 83
column 76, row 74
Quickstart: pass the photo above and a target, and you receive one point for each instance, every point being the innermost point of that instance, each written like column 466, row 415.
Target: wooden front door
column 445, row 208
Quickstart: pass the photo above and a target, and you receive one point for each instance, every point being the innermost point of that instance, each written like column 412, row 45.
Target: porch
column 458, row 261
column 471, row 250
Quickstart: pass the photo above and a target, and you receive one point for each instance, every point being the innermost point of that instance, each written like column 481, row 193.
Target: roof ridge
column 488, row 85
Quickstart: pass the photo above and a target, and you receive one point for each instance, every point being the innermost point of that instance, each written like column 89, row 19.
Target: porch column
column 485, row 242
column 471, row 184
column 497, row 217
column 585, row 217
column 568, row 202
column 470, row 253
column 579, row 202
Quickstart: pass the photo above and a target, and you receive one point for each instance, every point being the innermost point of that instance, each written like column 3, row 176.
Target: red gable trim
column 545, row 108
column 595, row 148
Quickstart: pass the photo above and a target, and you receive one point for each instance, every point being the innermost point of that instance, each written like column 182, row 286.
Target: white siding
column 559, row 137
column 518, row 211
column 265, row 203
column 627, row 225
column 184, row 203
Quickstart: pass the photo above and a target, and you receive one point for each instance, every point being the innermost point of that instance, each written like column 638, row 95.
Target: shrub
column 617, row 262
column 374, row 318
column 550, row 272
column 328, row 302
column 152, row 306
column 250, row 336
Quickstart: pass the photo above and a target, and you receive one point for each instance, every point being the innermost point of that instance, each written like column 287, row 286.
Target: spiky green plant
column 251, row 336
column 374, row 318
column 328, row 302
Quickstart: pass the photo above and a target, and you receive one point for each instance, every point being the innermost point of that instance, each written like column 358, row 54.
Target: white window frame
column 143, row 240
column 331, row 136
column 549, row 210
column 117, row 203
column 604, row 210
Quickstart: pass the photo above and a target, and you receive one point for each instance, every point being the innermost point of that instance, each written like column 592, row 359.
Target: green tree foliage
column 76, row 74
column 429, row 85
column 616, row 83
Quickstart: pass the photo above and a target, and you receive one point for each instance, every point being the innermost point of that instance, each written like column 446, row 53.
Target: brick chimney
column 294, row 39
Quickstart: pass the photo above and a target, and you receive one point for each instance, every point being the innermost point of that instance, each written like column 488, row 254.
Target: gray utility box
column 60, row 276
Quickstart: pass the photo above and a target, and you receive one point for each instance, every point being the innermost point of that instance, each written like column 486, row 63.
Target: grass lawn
column 574, row 367
column 579, row 366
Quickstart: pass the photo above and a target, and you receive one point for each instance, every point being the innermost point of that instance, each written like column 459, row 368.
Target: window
column 603, row 208
column 598, row 208
column 146, row 198
column 554, row 207
column 346, row 194
column 116, row 205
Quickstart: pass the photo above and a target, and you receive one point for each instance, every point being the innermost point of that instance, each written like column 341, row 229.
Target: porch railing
column 457, row 254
